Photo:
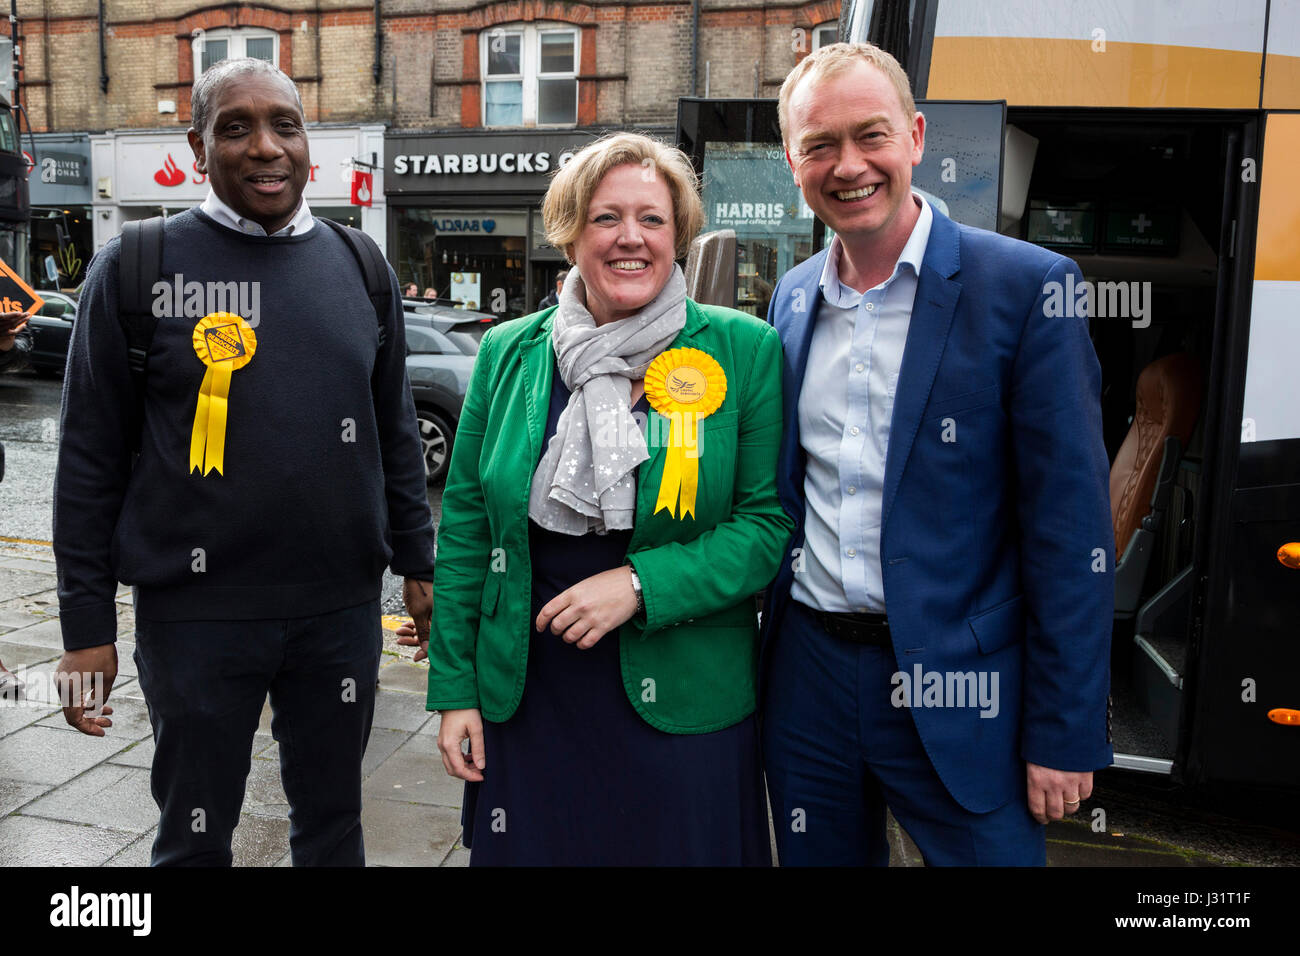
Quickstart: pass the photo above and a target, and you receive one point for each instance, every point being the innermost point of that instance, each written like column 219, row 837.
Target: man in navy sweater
column 280, row 470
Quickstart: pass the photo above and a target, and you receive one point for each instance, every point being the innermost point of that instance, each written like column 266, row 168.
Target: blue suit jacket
column 996, row 547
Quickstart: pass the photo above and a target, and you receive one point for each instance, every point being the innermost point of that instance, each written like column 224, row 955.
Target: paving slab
column 260, row 841
column 1079, row 854
column 414, row 774
column 139, row 754
column 137, row 853
column 382, row 745
column 16, row 584
column 26, row 564
column 17, row 656
column 408, row 834
column 13, row 618
column 44, row 634
column 431, row 726
column 457, row 857
column 33, row 841
column 15, row 715
column 47, row 755
column 109, row 796
column 397, row 711
column 264, row 790
column 404, row 676
column 14, row 793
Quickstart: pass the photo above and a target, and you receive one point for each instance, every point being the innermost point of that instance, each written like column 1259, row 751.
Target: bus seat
column 711, row 268
column 1142, row 475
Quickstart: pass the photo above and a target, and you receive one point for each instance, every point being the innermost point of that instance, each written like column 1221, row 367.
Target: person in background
column 412, row 291
column 596, row 632
column 430, row 294
column 553, row 297
column 15, row 346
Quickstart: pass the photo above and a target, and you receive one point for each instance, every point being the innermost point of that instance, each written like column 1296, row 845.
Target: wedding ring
column 1072, row 803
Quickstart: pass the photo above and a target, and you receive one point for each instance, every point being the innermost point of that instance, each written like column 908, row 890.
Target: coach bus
column 1156, row 144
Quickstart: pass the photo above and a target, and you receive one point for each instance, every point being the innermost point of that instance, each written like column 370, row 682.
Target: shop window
column 530, row 76
column 213, row 46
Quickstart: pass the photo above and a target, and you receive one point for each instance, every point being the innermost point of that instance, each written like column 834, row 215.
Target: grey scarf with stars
column 586, row 480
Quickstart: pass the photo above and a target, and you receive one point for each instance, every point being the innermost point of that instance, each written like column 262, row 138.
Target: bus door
column 1245, row 718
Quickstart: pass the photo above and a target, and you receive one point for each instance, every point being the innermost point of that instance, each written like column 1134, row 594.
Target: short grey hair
column 210, row 83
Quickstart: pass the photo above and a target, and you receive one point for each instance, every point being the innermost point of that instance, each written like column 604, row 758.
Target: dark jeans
column 205, row 683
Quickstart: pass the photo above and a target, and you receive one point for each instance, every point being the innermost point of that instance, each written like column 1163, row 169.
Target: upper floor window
column 213, row 46
column 825, row 34
column 530, row 76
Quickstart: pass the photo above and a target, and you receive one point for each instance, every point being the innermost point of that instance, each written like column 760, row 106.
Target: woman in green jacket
column 609, row 514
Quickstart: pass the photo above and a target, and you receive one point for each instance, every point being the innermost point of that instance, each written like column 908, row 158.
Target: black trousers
column 205, row 683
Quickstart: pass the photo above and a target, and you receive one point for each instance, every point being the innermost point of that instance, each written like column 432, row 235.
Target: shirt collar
column 841, row 295
column 218, row 210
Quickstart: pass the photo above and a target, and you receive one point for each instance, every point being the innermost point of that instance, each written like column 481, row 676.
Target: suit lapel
column 927, row 334
column 795, row 324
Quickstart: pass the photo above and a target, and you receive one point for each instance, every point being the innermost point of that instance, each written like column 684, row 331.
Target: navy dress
column 576, row 777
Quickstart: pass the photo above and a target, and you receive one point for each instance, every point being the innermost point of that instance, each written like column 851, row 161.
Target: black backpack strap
column 373, row 266
column 139, row 267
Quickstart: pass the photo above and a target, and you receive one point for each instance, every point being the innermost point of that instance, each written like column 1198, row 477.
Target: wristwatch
column 636, row 588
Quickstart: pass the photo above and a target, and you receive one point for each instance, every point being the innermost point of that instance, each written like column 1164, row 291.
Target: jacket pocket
column 962, row 403
column 999, row 626
column 491, row 589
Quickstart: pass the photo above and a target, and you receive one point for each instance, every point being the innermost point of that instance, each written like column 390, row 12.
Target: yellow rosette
column 224, row 342
column 684, row 386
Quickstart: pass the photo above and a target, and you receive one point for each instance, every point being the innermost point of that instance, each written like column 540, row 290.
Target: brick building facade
column 632, row 59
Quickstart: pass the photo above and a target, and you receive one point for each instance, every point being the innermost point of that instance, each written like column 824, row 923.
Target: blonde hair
column 564, row 209
column 834, row 58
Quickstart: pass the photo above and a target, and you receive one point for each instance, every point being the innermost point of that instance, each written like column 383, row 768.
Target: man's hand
column 418, row 597
column 11, row 323
column 85, row 679
column 407, row 637
column 1055, row 793
column 456, row 726
column 591, row 608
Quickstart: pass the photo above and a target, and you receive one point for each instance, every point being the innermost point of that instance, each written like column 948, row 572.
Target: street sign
column 15, row 294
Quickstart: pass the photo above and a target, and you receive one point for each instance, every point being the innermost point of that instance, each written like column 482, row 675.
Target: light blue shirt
column 845, row 408
column 216, row 209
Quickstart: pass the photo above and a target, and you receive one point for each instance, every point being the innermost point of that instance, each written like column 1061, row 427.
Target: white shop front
column 138, row 174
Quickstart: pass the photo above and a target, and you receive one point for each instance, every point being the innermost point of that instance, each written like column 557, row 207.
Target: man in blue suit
column 938, row 639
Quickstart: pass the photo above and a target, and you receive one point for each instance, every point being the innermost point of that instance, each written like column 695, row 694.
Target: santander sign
column 170, row 174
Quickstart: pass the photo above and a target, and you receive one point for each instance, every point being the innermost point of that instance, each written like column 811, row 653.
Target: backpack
column 139, row 267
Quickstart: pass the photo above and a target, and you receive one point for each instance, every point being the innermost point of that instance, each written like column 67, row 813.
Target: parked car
column 51, row 331
column 441, row 345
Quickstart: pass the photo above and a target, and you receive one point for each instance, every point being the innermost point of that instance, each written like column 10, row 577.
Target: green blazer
column 689, row 662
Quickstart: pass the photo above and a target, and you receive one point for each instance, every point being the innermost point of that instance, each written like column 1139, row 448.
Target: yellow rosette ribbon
column 684, row 386
column 224, row 342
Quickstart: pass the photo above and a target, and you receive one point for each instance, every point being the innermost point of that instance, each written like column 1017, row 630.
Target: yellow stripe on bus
column 1047, row 72
column 1277, row 256
column 1281, row 82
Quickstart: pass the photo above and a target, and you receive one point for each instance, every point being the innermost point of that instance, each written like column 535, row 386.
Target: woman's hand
column 456, row 726
column 591, row 608
column 11, row 323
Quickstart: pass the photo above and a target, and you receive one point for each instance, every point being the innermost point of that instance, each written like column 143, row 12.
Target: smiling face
column 255, row 153
column 852, row 149
column 625, row 250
